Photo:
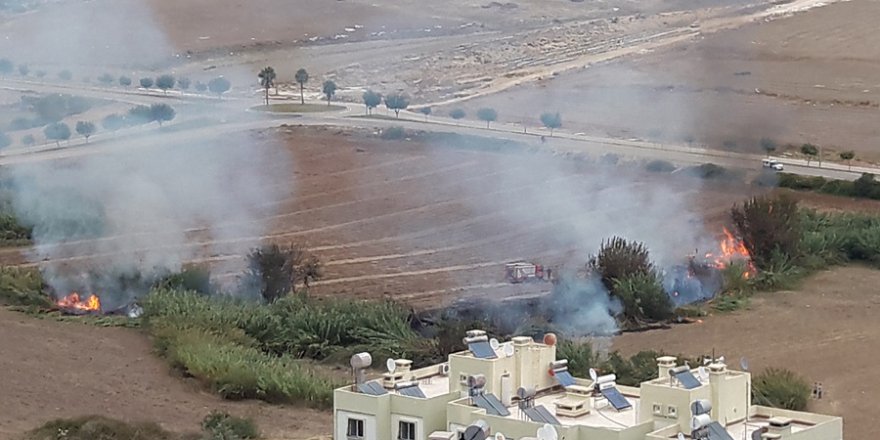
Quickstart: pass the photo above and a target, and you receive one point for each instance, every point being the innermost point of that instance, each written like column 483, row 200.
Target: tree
column 768, row 145
column 397, row 102
column 106, row 79
column 124, row 81
column 267, row 80
column 183, row 83
column 329, row 90
column 165, row 82
column 28, row 140
column 113, row 122
column 161, row 113
column 5, row 140
column 848, row 156
column 40, row 74
column 146, row 82
column 769, row 227
column 371, row 100
column 6, row 66
column 551, row 121
column 274, row 270
column 425, row 111
column 65, row 75
column 85, row 129
column 219, row 86
column 139, row 114
column 810, row 151
column 487, row 114
column 57, row 132
column 23, row 69
column 457, row 114
column 618, row 259
column 200, row 86
column 301, row 77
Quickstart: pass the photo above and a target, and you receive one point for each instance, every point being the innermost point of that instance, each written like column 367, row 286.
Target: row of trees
column 137, row 115
column 268, row 76
column 217, row 86
column 811, row 152
column 399, row 101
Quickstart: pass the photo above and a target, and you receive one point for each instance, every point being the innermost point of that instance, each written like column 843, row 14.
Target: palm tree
column 267, row 80
column 302, row 77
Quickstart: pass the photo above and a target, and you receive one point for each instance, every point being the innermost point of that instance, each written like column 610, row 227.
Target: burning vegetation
column 76, row 303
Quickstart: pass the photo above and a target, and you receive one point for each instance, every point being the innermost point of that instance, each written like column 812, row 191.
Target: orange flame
column 73, row 301
column 732, row 249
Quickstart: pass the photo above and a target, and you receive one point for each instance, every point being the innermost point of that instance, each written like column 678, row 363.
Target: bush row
column 863, row 187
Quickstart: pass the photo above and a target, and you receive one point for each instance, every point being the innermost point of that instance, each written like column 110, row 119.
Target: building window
column 658, row 409
column 355, row 428
column 406, row 431
column 671, row 411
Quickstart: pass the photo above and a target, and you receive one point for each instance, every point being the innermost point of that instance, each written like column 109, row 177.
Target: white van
column 772, row 163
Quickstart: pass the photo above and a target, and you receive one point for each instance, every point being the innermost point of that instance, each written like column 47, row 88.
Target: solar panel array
column 491, row 404
column 411, row 391
column 717, row 432
column 615, row 398
column 687, row 380
column 541, row 415
column 372, row 388
column 564, row 378
column 482, row 350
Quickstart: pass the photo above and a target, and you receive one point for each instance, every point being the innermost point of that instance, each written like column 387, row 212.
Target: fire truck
column 522, row 272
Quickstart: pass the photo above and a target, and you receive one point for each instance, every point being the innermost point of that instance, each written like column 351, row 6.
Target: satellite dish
column 699, row 421
column 508, row 350
column 703, row 373
column 547, row 432
column 390, row 365
column 721, row 360
column 680, row 436
column 499, row 436
column 744, row 364
column 593, row 375
column 494, row 344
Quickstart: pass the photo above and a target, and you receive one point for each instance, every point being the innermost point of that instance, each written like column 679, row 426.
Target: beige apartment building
column 519, row 390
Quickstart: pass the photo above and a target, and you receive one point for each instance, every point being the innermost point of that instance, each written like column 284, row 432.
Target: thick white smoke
column 127, row 212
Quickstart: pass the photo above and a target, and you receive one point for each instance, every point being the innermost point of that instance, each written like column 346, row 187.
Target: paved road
column 214, row 116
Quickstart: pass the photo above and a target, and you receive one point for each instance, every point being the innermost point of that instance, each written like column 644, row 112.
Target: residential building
column 519, row 390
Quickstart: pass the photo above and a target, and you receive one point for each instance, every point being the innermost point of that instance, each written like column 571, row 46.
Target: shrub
column 393, row 133
column 768, row 226
column 643, row 297
column 579, row 354
column 618, row 259
column 194, row 279
column 11, row 231
column 274, row 270
column 98, row 427
column 457, row 114
column 780, row 388
column 241, row 428
column 22, row 287
column 660, row 166
column 714, row 172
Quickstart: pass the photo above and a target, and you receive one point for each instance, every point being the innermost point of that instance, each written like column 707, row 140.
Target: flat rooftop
column 603, row 415
column 737, row 430
column 432, row 386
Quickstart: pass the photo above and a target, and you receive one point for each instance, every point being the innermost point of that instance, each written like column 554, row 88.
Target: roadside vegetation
column 216, row 426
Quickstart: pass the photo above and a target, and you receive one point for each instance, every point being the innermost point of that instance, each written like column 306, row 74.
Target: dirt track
column 56, row 369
